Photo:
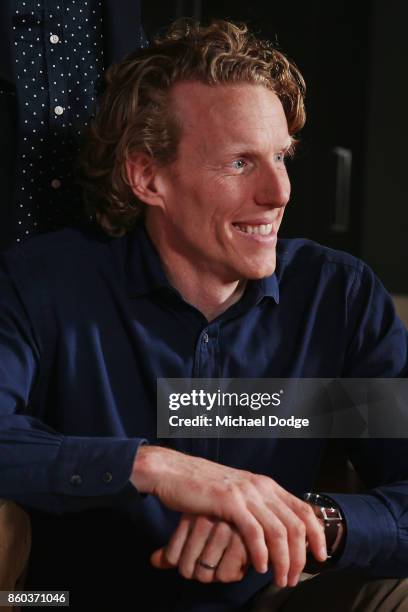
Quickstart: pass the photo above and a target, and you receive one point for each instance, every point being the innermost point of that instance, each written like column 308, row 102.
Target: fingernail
column 293, row 581
column 323, row 553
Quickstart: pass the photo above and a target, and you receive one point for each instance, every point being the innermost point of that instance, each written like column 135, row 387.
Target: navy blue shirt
column 87, row 325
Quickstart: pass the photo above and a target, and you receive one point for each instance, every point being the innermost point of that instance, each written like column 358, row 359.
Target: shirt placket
column 206, row 359
column 59, row 108
column 207, row 365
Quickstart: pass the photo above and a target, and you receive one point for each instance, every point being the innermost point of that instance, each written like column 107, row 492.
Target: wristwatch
column 328, row 512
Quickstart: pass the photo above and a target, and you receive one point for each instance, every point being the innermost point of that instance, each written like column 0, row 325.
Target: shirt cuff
column 371, row 532
column 90, row 467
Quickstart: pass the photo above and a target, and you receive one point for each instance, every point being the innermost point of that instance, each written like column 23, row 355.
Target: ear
column 142, row 173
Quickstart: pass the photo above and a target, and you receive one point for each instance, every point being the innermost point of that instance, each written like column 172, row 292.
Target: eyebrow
column 248, row 149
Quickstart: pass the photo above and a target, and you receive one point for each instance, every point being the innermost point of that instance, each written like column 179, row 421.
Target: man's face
column 227, row 190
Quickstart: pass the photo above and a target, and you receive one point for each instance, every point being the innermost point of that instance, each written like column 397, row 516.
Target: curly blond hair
column 134, row 114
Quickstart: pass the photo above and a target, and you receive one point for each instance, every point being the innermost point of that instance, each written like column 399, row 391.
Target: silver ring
column 207, row 565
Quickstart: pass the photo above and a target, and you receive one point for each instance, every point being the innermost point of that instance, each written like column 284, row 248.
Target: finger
column 276, row 539
column 234, row 562
column 250, row 529
column 314, row 531
column 296, row 531
column 297, row 553
column 213, row 551
column 194, row 545
column 296, row 538
column 159, row 560
column 177, row 541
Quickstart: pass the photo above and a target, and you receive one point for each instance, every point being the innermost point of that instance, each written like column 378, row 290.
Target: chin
column 259, row 272
column 264, row 267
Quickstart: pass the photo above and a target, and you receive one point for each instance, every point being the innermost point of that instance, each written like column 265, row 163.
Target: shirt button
column 205, row 337
column 58, row 110
column 55, row 183
column 107, row 477
column 76, row 480
column 54, row 39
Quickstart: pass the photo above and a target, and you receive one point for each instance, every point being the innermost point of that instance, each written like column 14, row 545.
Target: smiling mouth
column 261, row 230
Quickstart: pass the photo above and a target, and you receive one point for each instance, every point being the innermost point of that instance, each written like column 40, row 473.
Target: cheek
column 229, row 199
column 288, row 185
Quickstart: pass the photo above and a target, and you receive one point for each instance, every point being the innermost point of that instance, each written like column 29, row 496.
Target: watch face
column 320, row 500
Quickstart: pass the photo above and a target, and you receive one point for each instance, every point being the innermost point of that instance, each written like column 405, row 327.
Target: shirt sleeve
column 377, row 521
column 39, row 467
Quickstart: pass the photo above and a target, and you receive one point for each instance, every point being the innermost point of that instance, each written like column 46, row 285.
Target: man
column 186, row 167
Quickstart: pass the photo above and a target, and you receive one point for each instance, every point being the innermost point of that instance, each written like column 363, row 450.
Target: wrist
column 145, row 468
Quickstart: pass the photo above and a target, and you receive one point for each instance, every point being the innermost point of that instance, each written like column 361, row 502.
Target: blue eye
column 238, row 164
column 281, row 157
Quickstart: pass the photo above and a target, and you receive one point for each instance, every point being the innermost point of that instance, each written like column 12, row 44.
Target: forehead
column 229, row 115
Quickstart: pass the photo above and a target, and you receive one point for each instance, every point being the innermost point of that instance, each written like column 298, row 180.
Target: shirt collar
column 145, row 270
column 269, row 287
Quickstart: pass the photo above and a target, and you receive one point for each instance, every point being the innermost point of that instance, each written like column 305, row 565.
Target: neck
column 209, row 297
column 198, row 284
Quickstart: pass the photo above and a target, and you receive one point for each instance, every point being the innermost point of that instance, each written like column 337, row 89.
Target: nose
column 273, row 187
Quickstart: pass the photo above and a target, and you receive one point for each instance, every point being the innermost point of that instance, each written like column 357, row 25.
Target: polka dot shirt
column 59, row 64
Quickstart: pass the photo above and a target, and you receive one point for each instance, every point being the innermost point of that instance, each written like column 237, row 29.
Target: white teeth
column 264, row 230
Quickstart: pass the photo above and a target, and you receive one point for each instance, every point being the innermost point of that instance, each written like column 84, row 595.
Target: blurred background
column 349, row 177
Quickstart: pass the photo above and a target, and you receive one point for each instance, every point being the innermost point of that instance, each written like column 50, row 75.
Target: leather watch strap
column 329, row 513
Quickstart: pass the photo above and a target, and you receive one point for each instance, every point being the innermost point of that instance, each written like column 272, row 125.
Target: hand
column 199, row 538
column 273, row 524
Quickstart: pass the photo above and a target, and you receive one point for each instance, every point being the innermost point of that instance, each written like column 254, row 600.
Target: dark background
column 349, row 177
